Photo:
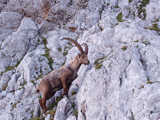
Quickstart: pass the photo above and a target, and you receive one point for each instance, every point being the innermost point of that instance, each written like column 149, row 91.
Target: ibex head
column 83, row 58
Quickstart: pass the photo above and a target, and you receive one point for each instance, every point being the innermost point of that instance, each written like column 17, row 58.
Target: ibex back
column 63, row 76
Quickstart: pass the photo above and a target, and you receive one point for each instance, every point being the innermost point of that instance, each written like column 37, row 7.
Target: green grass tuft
column 96, row 62
column 154, row 27
column 150, row 82
column 48, row 57
column 13, row 106
column 24, row 83
column 11, row 67
column 73, row 105
column 59, row 49
column 75, row 112
column 151, row 112
column 142, row 10
column 65, row 53
column 44, row 41
column 136, row 41
column 99, row 61
column 51, row 106
column 40, row 97
column 36, row 118
column 119, row 17
column 52, row 113
column 70, row 44
column 124, row 48
column 146, row 42
column 98, row 66
column 73, row 93
column 32, row 81
column 4, row 87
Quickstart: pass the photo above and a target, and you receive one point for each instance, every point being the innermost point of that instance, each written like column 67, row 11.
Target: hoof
column 65, row 96
column 40, row 102
column 44, row 111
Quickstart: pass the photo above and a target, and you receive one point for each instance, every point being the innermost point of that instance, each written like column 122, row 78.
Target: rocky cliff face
column 121, row 83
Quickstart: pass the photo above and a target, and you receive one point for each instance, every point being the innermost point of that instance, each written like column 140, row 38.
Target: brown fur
column 62, row 77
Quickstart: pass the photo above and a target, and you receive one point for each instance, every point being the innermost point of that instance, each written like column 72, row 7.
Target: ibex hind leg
column 50, row 94
column 40, row 102
column 45, row 94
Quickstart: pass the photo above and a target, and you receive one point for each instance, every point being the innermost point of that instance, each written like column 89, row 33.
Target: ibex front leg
column 64, row 84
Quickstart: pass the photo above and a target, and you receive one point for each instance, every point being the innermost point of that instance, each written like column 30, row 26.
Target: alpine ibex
column 63, row 76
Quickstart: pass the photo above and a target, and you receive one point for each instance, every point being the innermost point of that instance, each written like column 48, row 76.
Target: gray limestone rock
column 123, row 78
column 63, row 107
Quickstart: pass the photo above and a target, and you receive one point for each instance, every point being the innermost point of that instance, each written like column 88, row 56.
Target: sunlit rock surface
column 122, row 81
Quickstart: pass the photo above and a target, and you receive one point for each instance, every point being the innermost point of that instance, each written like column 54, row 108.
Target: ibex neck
column 75, row 65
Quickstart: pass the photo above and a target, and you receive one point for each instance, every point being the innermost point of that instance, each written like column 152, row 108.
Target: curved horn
column 76, row 44
column 86, row 47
